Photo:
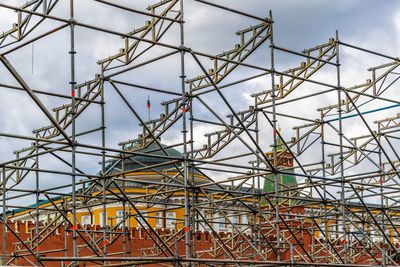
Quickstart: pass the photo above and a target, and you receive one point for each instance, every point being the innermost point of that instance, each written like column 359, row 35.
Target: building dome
column 162, row 160
column 140, row 161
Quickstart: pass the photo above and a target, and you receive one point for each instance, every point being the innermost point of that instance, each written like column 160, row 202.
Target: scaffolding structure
column 344, row 210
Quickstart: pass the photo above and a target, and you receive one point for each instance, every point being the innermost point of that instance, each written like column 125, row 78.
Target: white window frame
column 222, row 222
column 322, row 229
column 244, row 219
column 201, row 224
column 119, row 216
column 101, row 223
column 332, row 229
column 219, row 222
column 86, row 218
column 234, row 220
column 140, row 219
column 170, row 223
column 159, row 220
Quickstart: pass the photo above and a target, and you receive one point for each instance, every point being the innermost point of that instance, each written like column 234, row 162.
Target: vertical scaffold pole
column 4, row 218
column 258, row 189
column 103, row 163
column 37, row 218
column 340, row 133
column 381, row 192
column 73, row 145
column 123, row 210
column 275, row 165
column 323, row 166
column 184, row 133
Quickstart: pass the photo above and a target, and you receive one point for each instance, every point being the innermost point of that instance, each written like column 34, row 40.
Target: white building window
column 140, row 221
column 159, row 220
column 234, row 219
column 101, row 219
column 208, row 216
column 219, row 222
column 222, row 224
column 333, row 231
column 244, row 219
column 322, row 229
column 86, row 219
column 200, row 221
column 119, row 217
column 170, row 219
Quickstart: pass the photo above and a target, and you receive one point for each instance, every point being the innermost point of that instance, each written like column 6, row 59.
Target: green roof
column 155, row 156
column 132, row 163
column 32, row 206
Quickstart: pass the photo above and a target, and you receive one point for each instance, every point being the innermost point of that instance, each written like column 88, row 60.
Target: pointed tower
column 285, row 163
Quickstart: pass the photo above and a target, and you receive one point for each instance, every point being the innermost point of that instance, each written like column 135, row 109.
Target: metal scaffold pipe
column 241, row 167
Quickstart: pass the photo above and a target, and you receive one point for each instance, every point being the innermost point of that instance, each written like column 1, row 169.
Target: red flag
column 148, row 102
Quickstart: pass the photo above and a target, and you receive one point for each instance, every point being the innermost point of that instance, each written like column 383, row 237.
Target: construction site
column 158, row 153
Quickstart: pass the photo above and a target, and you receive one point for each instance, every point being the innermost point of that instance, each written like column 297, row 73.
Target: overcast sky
column 298, row 25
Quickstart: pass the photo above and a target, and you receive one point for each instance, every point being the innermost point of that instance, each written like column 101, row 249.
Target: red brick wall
column 140, row 243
